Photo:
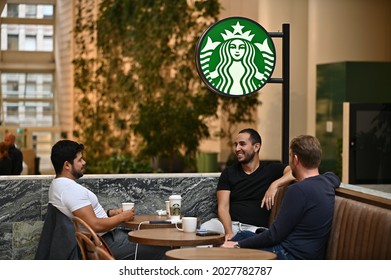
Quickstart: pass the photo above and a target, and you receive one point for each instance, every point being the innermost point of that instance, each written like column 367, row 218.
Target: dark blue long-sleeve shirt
column 303, row 224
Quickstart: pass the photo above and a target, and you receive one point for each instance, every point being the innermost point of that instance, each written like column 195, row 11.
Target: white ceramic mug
column 127, row 205
column 189, row 224
column 175, row 207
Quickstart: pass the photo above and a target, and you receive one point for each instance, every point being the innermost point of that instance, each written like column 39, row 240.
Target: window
column 12, row 110
column 30, row 43
column 31, row 11
column 12, row 86
column 47, row 11
column 31, row 89
column 47, row 43
column 12, row 10
column 31, row 112
column 12, row 42
column 47, row 110
column 12, row 90
column 47, row 89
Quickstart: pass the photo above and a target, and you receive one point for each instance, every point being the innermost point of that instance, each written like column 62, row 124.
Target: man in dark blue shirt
column 303, row 225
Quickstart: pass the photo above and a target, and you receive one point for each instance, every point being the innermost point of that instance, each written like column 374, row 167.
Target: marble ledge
column 383, row 191
column 377, row 190
column 117, row 176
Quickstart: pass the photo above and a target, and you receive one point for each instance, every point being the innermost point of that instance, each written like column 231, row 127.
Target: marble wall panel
column 198, row 196
column 20, row 200
column 25, row 239
column 5, row 241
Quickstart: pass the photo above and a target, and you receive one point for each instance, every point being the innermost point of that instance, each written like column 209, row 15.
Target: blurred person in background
column 5, row 161
column 14, row 154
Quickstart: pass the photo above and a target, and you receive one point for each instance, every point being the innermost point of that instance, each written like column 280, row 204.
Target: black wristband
column 107, row 212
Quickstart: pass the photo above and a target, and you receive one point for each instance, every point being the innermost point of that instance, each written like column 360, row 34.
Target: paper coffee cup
column 175, row 207
column 168, row 208
column 127, row 205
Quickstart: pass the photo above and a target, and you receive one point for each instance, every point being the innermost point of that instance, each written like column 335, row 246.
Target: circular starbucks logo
column 235, row 56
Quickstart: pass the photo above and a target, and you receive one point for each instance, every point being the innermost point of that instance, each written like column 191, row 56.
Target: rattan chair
column 91, row 245
column 87, row 247
column 103, row 254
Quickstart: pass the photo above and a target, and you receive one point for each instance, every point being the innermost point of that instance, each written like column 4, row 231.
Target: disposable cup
column 175, row 207
column 127, row 205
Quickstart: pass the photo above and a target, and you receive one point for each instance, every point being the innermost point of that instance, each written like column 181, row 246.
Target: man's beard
column 248, row 158
column 77, row 174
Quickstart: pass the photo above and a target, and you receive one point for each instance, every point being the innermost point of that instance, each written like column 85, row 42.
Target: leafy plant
column 119, row 164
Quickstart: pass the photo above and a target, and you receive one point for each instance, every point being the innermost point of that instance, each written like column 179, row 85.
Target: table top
column 173, row 237
column 219, row 253
column 144, row 218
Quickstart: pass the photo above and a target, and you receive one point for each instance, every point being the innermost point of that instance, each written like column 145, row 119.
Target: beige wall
column 272, row 14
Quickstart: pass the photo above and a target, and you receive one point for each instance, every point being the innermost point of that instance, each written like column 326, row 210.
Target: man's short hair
column 62, row 151
column 308, row 150
column 254, row 135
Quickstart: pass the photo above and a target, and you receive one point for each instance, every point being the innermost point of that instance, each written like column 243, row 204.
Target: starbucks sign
column 235, row 57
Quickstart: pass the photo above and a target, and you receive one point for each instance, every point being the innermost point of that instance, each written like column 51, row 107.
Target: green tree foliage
column 135, row 70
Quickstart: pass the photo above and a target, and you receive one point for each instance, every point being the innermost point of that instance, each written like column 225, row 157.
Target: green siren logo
column 235, row 57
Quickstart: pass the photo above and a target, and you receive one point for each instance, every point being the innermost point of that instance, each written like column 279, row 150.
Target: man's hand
column 228, row 244
column 128, row 215
column 270, row 194
column 229, row 236
column 268, row 199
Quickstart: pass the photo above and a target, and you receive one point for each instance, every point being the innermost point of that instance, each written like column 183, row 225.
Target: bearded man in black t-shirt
column 246, row 189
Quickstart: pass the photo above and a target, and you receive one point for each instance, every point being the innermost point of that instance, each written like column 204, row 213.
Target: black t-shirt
column 247, row 191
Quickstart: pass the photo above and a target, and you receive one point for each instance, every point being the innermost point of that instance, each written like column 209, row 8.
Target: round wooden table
column 219, row 253
column 173, row 237
column 144, row 221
